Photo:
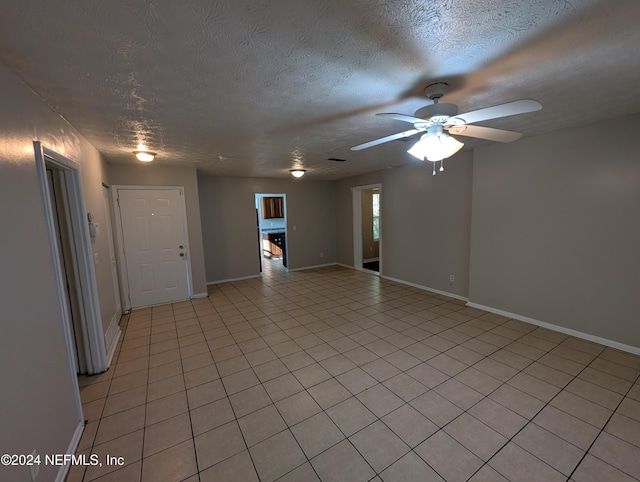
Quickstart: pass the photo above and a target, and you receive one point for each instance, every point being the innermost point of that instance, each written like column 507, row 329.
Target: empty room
column 320, row 241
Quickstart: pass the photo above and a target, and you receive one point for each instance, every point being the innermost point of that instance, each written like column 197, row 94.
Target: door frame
column 257, row 196
column 60, row 215
column 121, row 262
column 106, row 199
column 113, row 332
column 356, row 193
column 90, row 318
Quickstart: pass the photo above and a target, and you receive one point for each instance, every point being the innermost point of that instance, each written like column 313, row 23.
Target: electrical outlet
column 321, row 254
column 452, row 279
column 35, row 467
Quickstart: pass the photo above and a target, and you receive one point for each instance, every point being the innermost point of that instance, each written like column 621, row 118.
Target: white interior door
column 154, row 241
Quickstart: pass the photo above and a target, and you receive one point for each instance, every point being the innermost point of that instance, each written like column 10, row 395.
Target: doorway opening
column 367, row 227
column 271, row 218
column 68, row 264
column 65, row 214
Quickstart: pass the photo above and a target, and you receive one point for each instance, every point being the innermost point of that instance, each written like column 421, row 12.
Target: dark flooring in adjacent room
column 372, row 266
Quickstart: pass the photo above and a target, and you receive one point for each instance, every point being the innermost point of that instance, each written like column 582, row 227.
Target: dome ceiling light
column 145, row 156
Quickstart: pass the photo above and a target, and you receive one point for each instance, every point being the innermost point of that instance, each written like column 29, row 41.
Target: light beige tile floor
column 332, row 374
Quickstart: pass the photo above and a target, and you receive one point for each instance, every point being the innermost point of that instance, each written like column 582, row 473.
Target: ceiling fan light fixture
column 145, row 156
column 435, row 146
column 297, row 172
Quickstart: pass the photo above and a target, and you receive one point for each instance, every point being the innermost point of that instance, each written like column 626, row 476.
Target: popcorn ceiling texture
column 254, row 88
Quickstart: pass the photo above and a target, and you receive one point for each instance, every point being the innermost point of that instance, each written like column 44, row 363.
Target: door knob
column 180, row 246
column 181, row 254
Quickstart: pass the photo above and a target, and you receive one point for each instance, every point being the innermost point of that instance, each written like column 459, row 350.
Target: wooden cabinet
column 270, row 248
column 272, row 207
column 274, row 246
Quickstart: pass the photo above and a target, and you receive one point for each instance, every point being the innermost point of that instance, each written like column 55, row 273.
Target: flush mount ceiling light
column 145, row 156
column 297, row 172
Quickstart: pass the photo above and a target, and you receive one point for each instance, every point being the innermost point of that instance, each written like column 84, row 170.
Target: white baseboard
column 200, row 295
column 73, row 445
column 426, row 288
column 112, row 349
column 408, row 283
column 362, row 270
column 567, row 331
column 111, row 337
column 209, row 283
column 313, row 267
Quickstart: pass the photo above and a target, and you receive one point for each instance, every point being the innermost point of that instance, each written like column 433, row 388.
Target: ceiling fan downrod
column 436, row 91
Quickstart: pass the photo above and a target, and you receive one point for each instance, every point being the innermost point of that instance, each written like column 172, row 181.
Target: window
column 376, row 216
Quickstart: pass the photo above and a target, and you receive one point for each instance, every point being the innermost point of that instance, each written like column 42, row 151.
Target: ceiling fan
column 439, row 120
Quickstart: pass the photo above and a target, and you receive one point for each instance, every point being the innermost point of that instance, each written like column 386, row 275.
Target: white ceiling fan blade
column 402, row 117
column 382, row 140
column 502, row 110
column 485, row 133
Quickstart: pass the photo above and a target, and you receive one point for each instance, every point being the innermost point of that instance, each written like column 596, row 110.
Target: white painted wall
column 37, row 407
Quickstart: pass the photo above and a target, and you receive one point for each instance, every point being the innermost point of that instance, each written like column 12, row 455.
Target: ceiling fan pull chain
column 434, row 168
column 441, row 165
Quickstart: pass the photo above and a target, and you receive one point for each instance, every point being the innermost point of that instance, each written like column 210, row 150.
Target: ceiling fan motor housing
column 437, row 113
column 436, row 91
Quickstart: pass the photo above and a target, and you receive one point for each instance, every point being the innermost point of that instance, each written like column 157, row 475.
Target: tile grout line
column 539, row 411
column 378, row 357
column 354, row 395
column 613, row 412
column 288, row 428
column 193, row 436
column 288, row 300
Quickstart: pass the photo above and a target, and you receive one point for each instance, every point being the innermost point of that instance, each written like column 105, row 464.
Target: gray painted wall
column 37, row 402
column 556, row 228
column 344, row 214
column 227, row 206
column 425, row 223
column 155, row 175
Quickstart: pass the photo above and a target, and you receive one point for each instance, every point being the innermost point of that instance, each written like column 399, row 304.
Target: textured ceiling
column 254, row 88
